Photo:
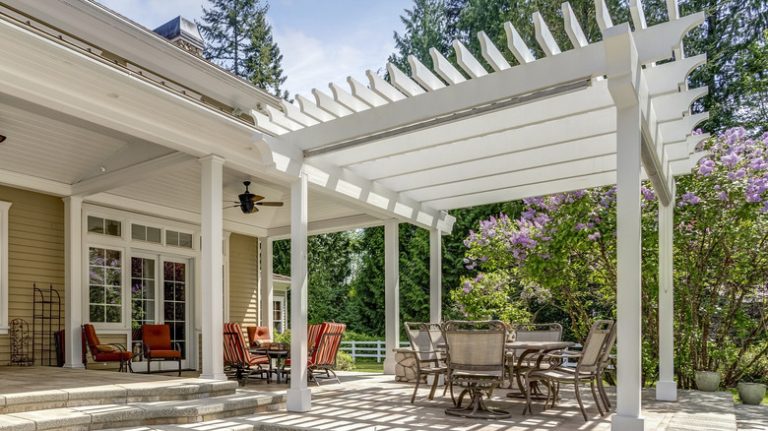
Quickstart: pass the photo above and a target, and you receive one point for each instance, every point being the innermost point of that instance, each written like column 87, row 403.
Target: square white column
column 628, row 294
column 73, row 281
column 666, row 387
column 211, row 266
column 435, row 276
column 299, row 396
column 267, row 288
column 391, row 293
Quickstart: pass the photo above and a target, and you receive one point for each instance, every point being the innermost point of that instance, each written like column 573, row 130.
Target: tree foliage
column 239, row 38
column 561, row 253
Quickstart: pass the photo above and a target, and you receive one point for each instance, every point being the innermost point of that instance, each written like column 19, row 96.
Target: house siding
column 244, row 280
column 35, row 253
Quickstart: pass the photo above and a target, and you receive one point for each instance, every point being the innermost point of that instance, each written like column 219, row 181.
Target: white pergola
column 457, row 137
column 610, row 112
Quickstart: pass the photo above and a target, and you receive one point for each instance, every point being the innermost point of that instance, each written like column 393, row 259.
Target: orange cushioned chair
column 105, row 352
column 324, row 340
column 238, row 359
column 157, row 345
column 258, row 335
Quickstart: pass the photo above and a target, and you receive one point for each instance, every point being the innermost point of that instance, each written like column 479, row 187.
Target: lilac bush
column 559, row 253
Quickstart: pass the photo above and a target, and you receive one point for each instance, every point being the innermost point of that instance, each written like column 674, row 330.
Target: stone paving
column 376, row 403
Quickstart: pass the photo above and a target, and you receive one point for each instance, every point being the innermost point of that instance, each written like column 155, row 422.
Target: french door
column 161, row 294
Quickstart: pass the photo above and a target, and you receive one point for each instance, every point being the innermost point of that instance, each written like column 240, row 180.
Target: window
column 146, row 233
column 277, row 316
column 178, row 239
column 104, row 226
column 174, row 301
column 105, row 269
column 142, row 291
column 4, row 207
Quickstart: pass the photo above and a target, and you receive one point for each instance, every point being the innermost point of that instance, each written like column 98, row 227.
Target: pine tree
column 227, row 27
column 263, row 58
column 426, row 26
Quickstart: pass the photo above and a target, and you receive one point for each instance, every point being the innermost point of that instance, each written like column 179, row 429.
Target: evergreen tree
column 227, row 27
column 263, row 58
column 426, row 26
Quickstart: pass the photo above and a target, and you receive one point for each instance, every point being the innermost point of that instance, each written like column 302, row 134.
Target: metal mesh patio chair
column 529, row 332
column 476, row 360
column 429, row 359
column 587, row 368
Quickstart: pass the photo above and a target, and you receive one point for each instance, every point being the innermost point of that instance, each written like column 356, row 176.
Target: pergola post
column 628, row 295
column 666, row 387
column 266, row 285
column 435, row 276
column 299, row 396
column 211, row 263
column 73, row 277
column 391, row 293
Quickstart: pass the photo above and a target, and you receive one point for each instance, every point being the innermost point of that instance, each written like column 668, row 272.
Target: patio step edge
column 115, row 394
column 110, row 416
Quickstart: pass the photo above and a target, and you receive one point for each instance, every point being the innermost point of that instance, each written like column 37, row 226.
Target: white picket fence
column 367, row 349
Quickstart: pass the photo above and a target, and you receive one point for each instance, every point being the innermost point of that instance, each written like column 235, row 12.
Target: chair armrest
column 177, row 346
column 119, row 346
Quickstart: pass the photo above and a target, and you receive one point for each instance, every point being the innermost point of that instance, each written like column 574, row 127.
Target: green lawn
column 369, row 366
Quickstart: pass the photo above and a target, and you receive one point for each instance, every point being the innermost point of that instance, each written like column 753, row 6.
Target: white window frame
column 4, row 207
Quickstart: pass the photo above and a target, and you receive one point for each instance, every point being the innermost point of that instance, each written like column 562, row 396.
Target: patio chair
column 587, row 368
column 156, row 342
column 428, row 359
column 476, row 359
column 324, row 340
column 529, row 332
column 607, row 362
column 112, row 352
column 238, row 358
column 258, row 336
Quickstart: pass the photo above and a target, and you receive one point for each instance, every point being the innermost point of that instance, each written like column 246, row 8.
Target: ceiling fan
column 249, row 202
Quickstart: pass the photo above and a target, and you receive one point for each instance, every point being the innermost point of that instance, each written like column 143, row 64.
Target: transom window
column 105, row 269
column 178, row 239
column 105, row 226
column 146, row 233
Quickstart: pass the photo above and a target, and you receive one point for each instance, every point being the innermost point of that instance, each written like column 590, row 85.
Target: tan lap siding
column 244, row 280
column 35, row 253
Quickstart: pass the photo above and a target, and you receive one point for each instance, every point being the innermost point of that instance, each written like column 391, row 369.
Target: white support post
column 391, row 294
column 666, row 387
column 211, row 266
column 73, row 281
column 435, row 276
column 299, row 396
column 267, row 287
column 628, row 296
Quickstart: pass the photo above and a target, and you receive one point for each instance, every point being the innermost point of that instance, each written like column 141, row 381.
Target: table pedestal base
column 476, row 407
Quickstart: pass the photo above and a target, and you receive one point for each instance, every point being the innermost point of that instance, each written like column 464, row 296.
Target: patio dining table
column 277, row 356
column 531, row 356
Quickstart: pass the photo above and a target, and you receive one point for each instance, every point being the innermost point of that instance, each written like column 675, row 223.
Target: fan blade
column 256, row 198
column 270, row 204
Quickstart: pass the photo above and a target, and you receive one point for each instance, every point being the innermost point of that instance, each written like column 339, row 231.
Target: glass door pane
column 143, row 285
column 174, row 301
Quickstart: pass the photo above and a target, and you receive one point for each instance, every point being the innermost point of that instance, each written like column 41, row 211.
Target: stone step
column 143, row 415
column 117, row 394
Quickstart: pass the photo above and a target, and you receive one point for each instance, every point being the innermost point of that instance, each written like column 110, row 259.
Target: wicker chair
column 476, row 359
column 429, row 360
column 588, row 367
column 238, row 358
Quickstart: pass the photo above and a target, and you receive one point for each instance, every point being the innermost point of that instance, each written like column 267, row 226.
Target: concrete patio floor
column 370, row 402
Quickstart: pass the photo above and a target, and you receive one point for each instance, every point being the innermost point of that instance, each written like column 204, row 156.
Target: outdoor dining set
column 481, row 356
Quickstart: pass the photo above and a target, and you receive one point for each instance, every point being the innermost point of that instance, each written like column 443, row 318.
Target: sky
column 321, row 41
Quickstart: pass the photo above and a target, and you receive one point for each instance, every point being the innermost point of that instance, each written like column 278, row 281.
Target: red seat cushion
column 259, row 360
column 112, row 356
column 156, row 337
column 165, row 354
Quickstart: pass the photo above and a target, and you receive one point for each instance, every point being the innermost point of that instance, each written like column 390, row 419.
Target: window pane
column 113, row 313
column 95, row 224
column 105, row 284
column 168, row 311
column 96, row 313
column 112, row 227
column 171, row 237
column 113, row 258
column 113, row 277
column 154, row 235
column 138, row 232
column 185, row 240
column 97, row 295
column 113, row 295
